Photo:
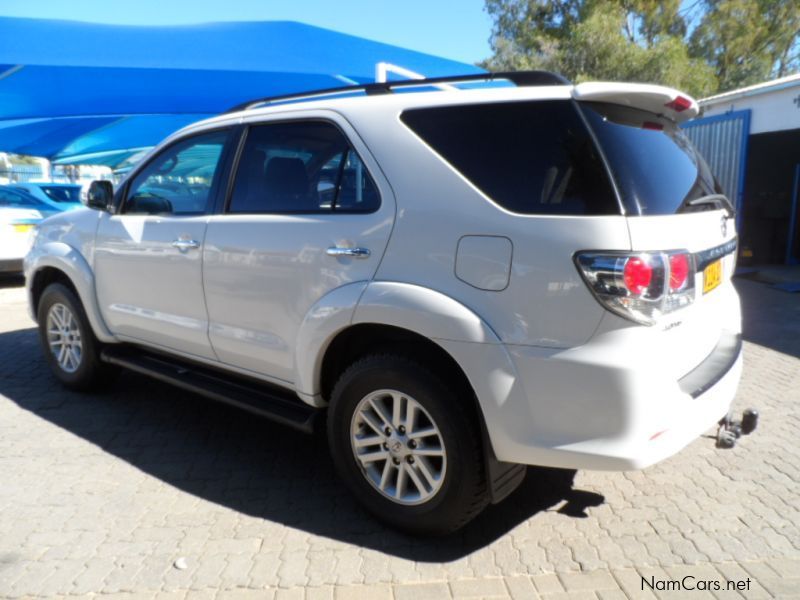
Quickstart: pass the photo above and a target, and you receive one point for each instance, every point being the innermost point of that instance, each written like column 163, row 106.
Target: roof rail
column 519, row 78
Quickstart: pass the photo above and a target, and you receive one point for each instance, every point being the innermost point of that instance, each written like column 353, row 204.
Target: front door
column 148, row 257
column 305, row 216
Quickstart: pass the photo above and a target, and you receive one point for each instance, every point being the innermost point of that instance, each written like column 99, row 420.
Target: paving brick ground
column 101, row 494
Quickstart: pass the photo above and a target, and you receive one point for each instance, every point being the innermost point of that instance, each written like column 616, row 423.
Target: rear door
column 148, row 256
column 308, row 212
column 673, row 203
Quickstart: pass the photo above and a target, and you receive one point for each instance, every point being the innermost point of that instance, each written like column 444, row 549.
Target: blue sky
column 457, row 29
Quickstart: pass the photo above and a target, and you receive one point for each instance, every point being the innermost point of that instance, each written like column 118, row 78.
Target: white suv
column 464, row 281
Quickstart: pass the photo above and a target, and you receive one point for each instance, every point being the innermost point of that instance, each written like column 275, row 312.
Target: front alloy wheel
column 64, row 337
column 70, row 347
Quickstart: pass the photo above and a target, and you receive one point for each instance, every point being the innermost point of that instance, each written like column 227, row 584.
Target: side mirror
column 100, row 195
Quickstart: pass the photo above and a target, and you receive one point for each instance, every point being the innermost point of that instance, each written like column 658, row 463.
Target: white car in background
column 16, row 229
column 19, row 216
column 58, row 196
column 462, row 281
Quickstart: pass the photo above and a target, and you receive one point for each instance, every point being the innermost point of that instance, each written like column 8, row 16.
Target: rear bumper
column 610, row 404
column 630, row 420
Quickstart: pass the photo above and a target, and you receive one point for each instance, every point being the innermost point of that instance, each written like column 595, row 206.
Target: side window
column 529, row 157
column 179, row 180
column 301, row 167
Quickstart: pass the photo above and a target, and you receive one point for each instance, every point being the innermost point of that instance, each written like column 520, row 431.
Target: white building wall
column 773, row 110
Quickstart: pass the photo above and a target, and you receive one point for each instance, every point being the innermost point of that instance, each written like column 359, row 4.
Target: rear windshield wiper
column 718, row 200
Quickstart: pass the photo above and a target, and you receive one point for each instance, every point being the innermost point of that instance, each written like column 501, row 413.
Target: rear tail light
column 678, row 271
column 640, row 286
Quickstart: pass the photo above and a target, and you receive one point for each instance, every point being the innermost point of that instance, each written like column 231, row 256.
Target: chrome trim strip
column 705, row 257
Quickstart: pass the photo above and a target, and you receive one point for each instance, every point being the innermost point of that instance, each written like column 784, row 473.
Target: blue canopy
column 86, row 93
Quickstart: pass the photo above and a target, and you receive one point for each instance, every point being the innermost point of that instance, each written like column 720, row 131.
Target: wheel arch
column 494, row 379
column 57, row 262
column 379, row 309
column 361, row 339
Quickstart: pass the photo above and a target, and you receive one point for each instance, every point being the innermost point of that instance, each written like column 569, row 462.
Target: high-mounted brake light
column 680, row 104
column 640, row 286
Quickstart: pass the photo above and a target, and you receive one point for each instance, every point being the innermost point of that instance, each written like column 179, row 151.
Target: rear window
column 63, row 193
column 529, row 157
column 656, row 168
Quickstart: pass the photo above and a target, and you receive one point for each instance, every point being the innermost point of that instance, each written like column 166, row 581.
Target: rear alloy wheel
column 399, row 447
column 407, row 445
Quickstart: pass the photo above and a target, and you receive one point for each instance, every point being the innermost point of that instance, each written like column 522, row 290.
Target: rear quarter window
column 532, row 157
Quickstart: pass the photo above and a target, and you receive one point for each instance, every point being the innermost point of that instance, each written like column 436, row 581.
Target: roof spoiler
column 664, row 101
column 518, row 78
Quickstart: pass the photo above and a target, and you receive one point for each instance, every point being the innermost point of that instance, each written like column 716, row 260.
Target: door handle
column 184, row 245
column 349, row 252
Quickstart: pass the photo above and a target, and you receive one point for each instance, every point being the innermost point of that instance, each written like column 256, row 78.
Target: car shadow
column 251, row 465
column 770, row 317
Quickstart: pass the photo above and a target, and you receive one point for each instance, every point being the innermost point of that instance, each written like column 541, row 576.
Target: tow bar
column 731, row 430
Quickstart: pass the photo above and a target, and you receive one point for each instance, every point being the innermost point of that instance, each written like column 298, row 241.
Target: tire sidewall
column 385, row 373
column 60, row 294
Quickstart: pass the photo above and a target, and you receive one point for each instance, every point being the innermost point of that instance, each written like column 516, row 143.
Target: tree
column 606, row 46
column 699, row 47
column 748, row 41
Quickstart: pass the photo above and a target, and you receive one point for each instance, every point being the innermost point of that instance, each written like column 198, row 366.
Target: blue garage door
column 722, row 140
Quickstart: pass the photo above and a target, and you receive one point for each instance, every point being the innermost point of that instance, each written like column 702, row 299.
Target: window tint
column 529, row 157
column 180, row 179
column 15, row 200
column 63, row 193
column 301, row 167
column 656, row 168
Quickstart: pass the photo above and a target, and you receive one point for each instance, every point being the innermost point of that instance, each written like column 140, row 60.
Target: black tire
column 91, row 373
column 463, row 492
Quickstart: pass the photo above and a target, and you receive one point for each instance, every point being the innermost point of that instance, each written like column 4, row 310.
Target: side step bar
column 262, row 400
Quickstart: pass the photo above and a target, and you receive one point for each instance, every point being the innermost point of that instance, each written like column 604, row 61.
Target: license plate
column 23, row 228
column 712, row 276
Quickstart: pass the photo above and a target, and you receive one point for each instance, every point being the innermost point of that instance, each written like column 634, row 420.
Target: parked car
column 59, row 196
column 19, row 215
column 464, row 282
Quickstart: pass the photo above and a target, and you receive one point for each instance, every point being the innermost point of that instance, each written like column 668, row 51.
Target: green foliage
column 731, row 42
column 748, row 41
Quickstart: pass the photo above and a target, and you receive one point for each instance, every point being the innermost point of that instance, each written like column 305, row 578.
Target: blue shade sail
column 73, row 91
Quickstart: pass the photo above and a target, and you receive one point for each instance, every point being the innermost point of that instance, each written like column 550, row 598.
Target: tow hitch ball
column 731, row 430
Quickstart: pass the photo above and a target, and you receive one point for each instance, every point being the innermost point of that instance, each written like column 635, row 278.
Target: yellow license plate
column 712, row 276
column 23, row 228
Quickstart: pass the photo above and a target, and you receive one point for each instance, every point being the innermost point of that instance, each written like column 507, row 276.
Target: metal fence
column 20, row 173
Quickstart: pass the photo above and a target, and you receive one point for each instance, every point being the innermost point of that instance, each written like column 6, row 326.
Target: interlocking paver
column 101, row 493
column 421, row 591
column 593, row 580
column 547, row 584
column 479, row 588
column 521, row 587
